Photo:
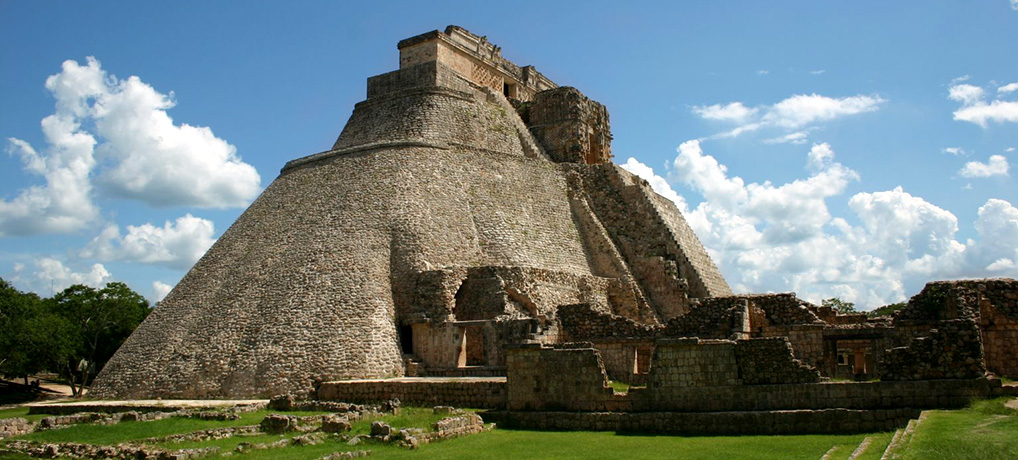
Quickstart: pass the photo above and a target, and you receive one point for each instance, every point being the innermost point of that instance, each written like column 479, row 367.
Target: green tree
column 32, row 339
column 101, row 320
column 886, row 310
column 839, row 305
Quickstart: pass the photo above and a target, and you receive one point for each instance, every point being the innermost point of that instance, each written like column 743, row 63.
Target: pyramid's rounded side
column 301, row 286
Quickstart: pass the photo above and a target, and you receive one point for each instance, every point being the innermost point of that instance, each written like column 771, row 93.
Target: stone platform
column 138, row 405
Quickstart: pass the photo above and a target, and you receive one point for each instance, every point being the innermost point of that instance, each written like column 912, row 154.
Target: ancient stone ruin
column 469, row 222
column 466, row 199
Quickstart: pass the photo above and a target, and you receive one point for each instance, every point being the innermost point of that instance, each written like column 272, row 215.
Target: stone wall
column 992, row 304
column 474, row 393
column 690, row 375
column 693, row 363
column 582, row 322
column 999, row 328
column 769, row 361
column 951, row 351
column 626, row 360
column 571, row 127
column 668, row 263
column 538, row 380
column 14, row 427
column 781, row 422
column 475, row 58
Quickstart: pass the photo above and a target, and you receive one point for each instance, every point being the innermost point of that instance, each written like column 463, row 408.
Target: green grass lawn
column 987, row 430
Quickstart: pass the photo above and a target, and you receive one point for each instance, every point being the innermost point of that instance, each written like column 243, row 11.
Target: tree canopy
column 839, row 305
column 73, row 333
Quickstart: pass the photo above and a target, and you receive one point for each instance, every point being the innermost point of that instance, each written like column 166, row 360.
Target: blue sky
column 852, row 149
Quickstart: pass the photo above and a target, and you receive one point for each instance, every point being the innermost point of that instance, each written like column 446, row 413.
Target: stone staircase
column 902, row 439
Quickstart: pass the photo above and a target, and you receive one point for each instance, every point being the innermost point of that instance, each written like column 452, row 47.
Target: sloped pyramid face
column 436, row 210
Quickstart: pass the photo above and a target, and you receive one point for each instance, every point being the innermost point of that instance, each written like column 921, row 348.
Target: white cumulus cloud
column 159, row 291
column 976, row 109
column 64, row 203
column 996, row 166
column 176, row 244
column 769, row 237
column 657, row 183
column 117, row 133
column 49, row 275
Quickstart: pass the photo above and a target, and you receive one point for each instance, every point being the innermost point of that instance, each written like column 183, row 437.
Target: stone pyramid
column 466, row 199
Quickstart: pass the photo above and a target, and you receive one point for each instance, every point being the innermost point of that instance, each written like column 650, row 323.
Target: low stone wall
column 826, row 421
column 480, row 393
column 924, row 394
column 14, row 427
column 174, row 406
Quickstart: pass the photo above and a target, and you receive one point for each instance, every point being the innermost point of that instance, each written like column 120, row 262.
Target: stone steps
column 834, row 454
column 865, row 444
column 902, row 439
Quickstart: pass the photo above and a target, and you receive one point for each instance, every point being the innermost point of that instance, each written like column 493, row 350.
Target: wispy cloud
column 792, row 114
column 1008, row 88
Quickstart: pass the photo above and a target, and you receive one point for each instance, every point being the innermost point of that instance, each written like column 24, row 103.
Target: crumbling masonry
column 468, row 221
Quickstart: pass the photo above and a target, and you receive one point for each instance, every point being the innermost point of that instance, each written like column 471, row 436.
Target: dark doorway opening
column 406, row 339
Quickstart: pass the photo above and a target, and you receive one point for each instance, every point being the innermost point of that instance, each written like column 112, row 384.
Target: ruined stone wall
column 474, row 393
column 781, row 422
column 538, row 380
column 425, row 75
column 685, row 363
column 14, row 427
column 692, row 363
column 769, row 361
column 582, row 322
column 813, row 396
column 677, row 382
column 714, row 318
column 626, row 360
column 667, row 273
column 999, row 326
column 571, row 127
column 990, row 304
column 951, row 351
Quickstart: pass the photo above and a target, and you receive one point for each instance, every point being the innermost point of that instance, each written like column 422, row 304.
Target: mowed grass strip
column 520, row 444
column 129, row 431
column 987, row 430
